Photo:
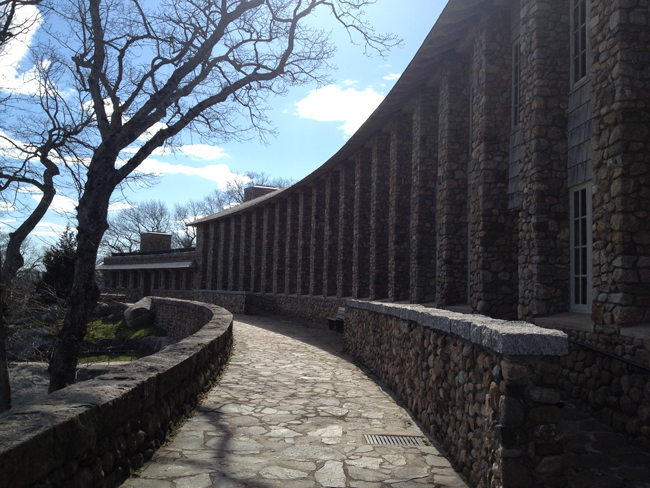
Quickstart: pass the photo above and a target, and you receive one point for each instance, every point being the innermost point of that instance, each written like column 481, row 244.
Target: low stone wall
column 486, row 388
column 615, row 393
column 233, row 301
column 300, row 306
column 97, row 432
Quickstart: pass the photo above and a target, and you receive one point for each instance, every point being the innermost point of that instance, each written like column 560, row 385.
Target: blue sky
column 312, row 124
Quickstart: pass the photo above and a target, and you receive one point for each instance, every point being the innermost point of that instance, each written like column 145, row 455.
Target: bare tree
column 164, row 67
column 125, row 227
column 184, row 236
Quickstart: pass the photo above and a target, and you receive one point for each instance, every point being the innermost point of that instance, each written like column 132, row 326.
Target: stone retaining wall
column 488, row 389
column 97, row 432
column 233, row 301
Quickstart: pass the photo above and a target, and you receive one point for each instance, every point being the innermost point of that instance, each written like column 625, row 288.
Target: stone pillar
column 399, row 208
column 621, row 168
column 224, row 254
column 233, row 261
column 257, row 228
column 360, row 256
column 268, row 236
column 279, row 246
column 292, row 238
column 245, row 249
column 493, row 226
column 213, row 265
column 304, row 241
column 202, row 246
column 346, row 230
column 331, row 243
column 543, row 220
column 453, row 155
column 423, row 197
column 379, row 177
column 317, row 237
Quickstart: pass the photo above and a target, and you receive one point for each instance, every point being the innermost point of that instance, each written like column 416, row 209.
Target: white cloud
column 332, row 104
column 350, row 82
column 60, row 203
column 219, row 173
column 392, row 76
column 51, row 229
column 194, row 151
column 119, row 206
column 12, row 77
column 152, row 131
column 7, row 207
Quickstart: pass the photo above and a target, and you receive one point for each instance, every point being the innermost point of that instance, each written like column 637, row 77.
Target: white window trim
column 590, row 248
column 575, row 82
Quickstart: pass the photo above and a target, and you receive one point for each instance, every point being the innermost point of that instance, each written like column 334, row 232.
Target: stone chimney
column 155, row 241
column 256, row 191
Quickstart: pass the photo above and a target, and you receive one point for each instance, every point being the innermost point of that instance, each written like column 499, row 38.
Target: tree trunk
column 5, row 386
column 92, row 217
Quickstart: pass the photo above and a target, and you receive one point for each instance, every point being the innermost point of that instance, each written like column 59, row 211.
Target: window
column 516, row 85
column 581, row 248
column 136, row 279
column 168, row 279
column 579, row 39
column 156, row 279
column 124, row 282
column 188, row 279
column 115, row 277
column 177, row 279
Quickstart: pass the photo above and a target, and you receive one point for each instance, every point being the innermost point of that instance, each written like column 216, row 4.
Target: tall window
column 516, row 84
column 579, row 39
column 581, row 248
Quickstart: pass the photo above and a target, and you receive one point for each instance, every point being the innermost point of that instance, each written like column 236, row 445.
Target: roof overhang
column 143, row 266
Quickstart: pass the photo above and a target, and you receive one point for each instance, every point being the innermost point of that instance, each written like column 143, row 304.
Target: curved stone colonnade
column 96, row 432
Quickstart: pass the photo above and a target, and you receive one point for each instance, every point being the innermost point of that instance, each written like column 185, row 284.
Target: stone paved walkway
column 291, row 411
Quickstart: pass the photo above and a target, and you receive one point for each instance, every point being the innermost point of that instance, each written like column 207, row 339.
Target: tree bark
column 5, row 386
column 92, row 215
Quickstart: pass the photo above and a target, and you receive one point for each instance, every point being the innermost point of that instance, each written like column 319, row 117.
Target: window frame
column 588, row 245
column 586, row 38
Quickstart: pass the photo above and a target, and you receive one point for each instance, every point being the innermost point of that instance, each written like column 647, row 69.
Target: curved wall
column 96, row 432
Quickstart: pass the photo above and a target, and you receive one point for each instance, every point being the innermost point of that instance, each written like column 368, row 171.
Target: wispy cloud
column 333, row 104
column 7, row 207
column 113, row 207
column 51, row 229
column 220, row 173
column 194, row 151
column 392, row 76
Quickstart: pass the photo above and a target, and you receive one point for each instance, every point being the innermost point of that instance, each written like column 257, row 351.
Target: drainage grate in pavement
column 395, row 440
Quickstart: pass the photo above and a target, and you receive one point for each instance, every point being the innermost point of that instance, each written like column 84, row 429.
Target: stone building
column 156, row 269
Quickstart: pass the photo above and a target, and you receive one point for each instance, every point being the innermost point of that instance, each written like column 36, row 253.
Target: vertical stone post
column 279, row 246
column 360, row 257
column 543, row 220
column 346, row 230
column 423, row 197
column 304, row 241
column 379, row 178
column 202, row 246
column 621, row 142
column 291, row 248
column 493, row 226
column 233, row 261
column 224, row 254
column 268, row 236
column 453, row 156
column 399, row 208
column 245, row 249
column 213, row 266
column 317, row 238
column 331, row 243
column 257, row 230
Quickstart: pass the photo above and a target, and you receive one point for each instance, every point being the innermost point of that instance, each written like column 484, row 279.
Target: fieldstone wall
column 233, row 301
column 486, row 388
column 305, row 307
column 98, row 432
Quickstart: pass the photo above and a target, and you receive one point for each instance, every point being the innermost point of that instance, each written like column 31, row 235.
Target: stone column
column 245, row 249
column 268, row 235
column 233, row 261
column 423, row 197
column 543, row 220
column 213, row 266
column 304, row 241
column 292, row 238
column 493, row 226
column 331, row 242
column 257, row 228
column 279, row 246
column 202, row 246
column 224, row 254
column 379, row 177
column 621, row 142
column 399, row 208
column 453, row 156
column 360, row 256
column 317, row 238
column 346, row 230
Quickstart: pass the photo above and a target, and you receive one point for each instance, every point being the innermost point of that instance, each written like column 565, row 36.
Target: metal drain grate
column 395, row 440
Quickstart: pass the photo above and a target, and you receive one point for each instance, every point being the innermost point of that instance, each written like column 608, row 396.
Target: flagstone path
column 291, row 411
